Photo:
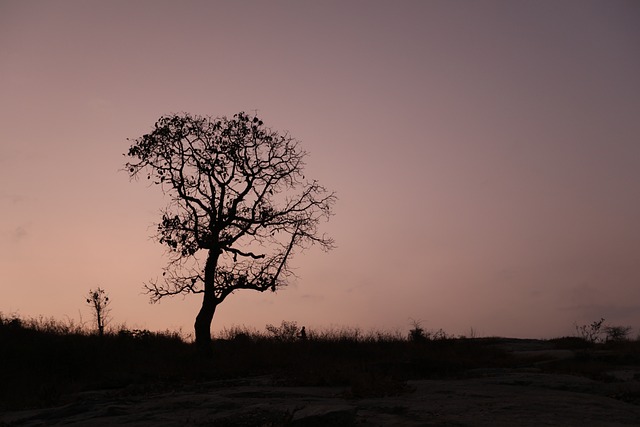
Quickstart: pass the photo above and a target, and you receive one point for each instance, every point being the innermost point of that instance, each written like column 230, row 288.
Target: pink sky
column 486, row 155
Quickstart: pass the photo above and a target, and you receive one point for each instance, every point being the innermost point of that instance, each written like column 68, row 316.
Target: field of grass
column 44, row 362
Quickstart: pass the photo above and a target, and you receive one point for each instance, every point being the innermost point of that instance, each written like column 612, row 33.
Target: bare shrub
column 441, row 334
column 617, row 333
column 417, row 333
column 591, row 332
column 287, row 331
column 99, row 302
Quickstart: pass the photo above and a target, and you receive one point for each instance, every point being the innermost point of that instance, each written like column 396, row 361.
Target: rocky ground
column 524, row 396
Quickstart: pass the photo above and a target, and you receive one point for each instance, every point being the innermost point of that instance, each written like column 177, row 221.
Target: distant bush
column 287, row 331
column 417, row 333
column 10, row 322
column 591, row 332
column 617, row 333
column 597, row 332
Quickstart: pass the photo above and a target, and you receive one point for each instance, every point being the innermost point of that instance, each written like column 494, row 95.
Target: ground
column 526, row 395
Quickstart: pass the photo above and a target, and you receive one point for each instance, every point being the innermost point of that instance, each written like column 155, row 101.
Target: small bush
column 417, row 333
column 591, row 332
column 287, row 331
column 617, row 333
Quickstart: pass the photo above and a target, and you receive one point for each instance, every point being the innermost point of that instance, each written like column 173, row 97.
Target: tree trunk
column 203, row 326
column 209, row 303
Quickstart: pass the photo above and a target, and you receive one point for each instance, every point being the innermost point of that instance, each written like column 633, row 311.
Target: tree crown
column 236, row 188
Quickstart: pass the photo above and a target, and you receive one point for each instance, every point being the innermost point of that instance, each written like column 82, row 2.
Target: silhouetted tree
column 237, row 193
column 617, row 333
column 98, row 300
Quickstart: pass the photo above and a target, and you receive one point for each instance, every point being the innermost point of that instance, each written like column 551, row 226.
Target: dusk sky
column 486, row 156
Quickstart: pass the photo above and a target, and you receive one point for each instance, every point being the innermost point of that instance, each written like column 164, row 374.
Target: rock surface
column 491, row 398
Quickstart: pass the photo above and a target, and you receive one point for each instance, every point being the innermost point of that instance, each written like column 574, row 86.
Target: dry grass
column 44, row 362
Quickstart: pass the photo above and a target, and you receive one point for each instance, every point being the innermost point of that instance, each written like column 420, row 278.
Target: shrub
column 287, row 331
column 417, row 333
column 592, row 332
column 617, row 333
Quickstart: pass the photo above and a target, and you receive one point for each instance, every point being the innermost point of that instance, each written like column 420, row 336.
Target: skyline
column 485, row 156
